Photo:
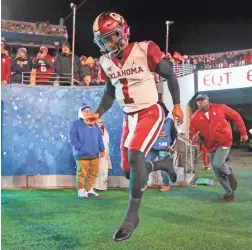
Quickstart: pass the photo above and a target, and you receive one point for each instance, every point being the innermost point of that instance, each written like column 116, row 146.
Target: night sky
column 200, row 26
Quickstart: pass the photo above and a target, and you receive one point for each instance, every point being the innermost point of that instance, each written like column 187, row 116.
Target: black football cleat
column 173, row 177
column 166, row 164
column 125, row 230
column 130, row 221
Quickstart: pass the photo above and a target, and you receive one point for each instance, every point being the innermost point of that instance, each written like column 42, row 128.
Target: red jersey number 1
column 127, row 99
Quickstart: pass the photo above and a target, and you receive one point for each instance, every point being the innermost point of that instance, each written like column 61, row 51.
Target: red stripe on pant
column 142, row 140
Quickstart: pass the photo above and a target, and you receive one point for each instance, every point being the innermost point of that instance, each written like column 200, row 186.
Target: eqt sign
column 228, row 78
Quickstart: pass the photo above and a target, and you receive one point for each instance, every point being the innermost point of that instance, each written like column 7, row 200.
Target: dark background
column 200, row 26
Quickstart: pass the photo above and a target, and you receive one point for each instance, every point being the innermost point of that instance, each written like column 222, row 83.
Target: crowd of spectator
column 213, row 61
column 46, row 69
column 86, row 68
column 39, row 28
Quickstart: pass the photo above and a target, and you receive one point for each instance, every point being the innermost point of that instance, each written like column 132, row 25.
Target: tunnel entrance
column 241, row 101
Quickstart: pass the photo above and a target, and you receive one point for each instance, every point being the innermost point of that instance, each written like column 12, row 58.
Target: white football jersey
column 132, row 78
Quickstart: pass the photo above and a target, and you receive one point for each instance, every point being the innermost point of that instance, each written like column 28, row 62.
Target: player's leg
column 127, row 174
column 124, row 150
column 149, row 124
column 151, row 156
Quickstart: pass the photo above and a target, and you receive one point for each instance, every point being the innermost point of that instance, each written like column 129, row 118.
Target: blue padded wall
column 35, row 124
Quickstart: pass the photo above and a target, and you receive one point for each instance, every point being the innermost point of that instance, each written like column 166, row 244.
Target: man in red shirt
column 211, row 123
column 43, row 64
column 5, row 65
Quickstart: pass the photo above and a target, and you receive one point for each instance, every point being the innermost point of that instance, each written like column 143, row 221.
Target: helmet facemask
column 113, row 43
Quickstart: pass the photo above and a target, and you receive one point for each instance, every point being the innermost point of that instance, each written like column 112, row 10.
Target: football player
column 127, row 70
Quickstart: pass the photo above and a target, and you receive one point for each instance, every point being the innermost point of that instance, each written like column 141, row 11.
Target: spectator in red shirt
column 211, row 124
column 43, row 64
column 248, row 58
column 5, row 65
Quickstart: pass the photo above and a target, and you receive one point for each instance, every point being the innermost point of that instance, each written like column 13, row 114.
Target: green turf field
column 183, row 218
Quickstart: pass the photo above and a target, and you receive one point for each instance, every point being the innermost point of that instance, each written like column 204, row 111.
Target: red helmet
column 111, row 33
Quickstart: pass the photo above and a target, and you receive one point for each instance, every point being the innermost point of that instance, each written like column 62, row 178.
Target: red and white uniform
column 132, row 75
column 44, row 73
column 136, row 93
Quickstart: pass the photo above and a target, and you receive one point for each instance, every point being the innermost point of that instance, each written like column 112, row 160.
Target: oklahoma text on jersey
column 125, row 72
column 132, row 76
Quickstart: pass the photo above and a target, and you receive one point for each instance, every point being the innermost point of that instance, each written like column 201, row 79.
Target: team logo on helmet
column 111, row 33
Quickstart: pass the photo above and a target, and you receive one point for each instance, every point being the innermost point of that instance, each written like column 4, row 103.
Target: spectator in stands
column 225, row 60
column 87, row 143
column 200, row 64
column 5, row 65
column 211, row 124
column 21, row 64
column 90, row 62
column 43, row 64
column 248, row 58
column 63, row 66
column 87, row 78
column 177, row 57
column 83, row 60
column 42, row 28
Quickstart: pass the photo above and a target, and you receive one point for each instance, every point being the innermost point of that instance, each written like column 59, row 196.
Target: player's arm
column 157, row 63
column 108, row 97
column 165, row 70
column 107, row 100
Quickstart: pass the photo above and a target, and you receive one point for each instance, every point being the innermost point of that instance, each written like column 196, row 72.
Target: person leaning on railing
column 21, row 64
column 63, row 66
column 42, row 67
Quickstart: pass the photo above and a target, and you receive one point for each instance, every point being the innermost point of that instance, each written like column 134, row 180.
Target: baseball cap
column 66, row 44
column 43, row 47
column 85, row 106
column 202, row 96
column 24, row 50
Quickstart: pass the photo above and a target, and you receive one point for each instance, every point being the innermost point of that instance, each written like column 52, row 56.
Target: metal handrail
column 53, row 78
column 188, row 143
column 183, row 69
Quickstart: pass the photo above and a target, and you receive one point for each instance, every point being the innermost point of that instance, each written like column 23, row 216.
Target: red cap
column 43, row 47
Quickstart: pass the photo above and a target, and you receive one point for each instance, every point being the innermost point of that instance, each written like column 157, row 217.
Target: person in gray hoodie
column 63, row 66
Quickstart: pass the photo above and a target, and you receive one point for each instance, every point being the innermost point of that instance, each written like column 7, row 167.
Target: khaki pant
column 86, row 169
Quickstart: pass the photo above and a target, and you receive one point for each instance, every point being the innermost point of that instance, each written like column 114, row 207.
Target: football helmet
column 111, row 33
